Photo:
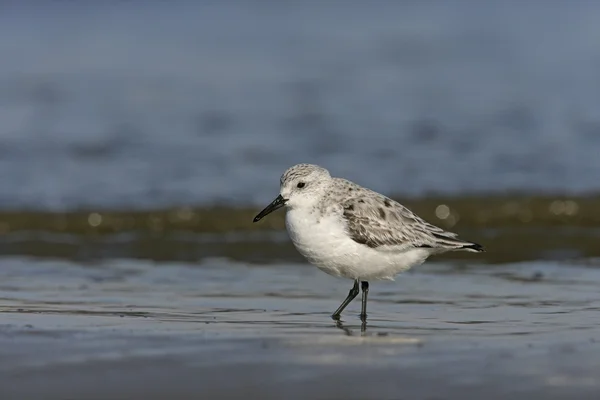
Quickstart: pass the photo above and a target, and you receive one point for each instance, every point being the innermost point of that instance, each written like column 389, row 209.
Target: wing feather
column 375, row 221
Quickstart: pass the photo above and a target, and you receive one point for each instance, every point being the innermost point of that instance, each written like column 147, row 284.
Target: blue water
column 149, row 104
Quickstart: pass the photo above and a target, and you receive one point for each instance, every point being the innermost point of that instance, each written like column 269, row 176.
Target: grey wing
column 378, row 221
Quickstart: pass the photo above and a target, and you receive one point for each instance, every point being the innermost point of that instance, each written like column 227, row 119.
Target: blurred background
column 138, row 140
column 129, row 107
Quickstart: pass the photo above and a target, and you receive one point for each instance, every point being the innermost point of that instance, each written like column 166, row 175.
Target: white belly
column 324, row 242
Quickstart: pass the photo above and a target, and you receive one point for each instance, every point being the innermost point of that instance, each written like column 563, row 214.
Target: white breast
column 324, row 242
column 320, row 239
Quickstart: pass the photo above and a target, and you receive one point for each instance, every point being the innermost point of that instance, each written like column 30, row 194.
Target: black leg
column 365, row 289
column 351, row 295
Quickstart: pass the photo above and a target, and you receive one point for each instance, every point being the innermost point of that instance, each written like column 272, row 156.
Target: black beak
column 275, row 205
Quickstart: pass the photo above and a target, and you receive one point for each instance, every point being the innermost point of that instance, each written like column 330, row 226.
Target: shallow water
column 524, row 329
column 127, row 132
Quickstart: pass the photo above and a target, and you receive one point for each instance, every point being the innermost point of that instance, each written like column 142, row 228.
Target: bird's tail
column 454, row 243
column 474, row 247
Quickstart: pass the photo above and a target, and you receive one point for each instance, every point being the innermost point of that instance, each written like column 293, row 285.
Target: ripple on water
column 477, row 303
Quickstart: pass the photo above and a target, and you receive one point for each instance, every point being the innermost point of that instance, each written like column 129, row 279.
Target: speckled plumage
column 373, row 219
column 349, row 231
column 376, row 221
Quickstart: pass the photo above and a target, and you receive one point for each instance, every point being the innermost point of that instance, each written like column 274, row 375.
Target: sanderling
column 353, row 232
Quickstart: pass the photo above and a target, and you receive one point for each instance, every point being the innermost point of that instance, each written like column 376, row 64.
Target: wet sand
column 131, row 329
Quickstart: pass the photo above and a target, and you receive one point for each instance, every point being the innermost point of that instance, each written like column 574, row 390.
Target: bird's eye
column 300, row 185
